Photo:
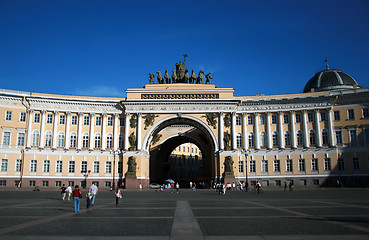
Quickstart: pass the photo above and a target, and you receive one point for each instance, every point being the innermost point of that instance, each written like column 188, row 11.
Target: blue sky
column 101, row 48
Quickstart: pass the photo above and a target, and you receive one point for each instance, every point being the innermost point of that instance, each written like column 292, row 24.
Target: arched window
column 73, row 139
column 312, row 137
column 325, row 136
column 262, row 139
column 287, row 138
column 299, row 138
column 251, row 139
column 275, row 139
column 85, row 140
column 121, row 140
column 97, row 140
column 61, row 137
column 48, row 136
column 35, row 138
column 109, row 140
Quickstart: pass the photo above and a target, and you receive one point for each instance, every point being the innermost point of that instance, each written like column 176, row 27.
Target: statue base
column 134, row 183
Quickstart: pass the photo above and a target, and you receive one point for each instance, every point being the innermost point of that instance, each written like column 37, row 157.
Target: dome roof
column 330, row 79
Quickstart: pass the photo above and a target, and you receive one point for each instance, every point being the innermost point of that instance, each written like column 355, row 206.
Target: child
column 88, row 199
column 118, row 195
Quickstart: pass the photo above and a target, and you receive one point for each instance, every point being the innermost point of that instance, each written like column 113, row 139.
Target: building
column 316, row 138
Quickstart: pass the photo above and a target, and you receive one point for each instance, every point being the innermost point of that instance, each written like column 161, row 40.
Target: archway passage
column 161, row 168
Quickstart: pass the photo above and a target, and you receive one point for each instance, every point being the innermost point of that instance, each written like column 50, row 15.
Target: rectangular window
column 108, row 167
column 98, row 121
column 4, row 165
column 71, row 183
column 45, row 183
column 277, row 165
column 72, row 166
column 278, row 182
column 240, row 166
column 108, row 184
column 336, row 115
column 353, row 136
column 298, row 117
column 339, row 138
column 59, row 166
column 74, row 120
column 252, row 166
column 6, row 138
column 289, row 165
column 323, row 116
column 250, row 120
column 32, row 183
column 8, row 116
column 310, row 117
column 314, row 164
column 22, row 117
column 33, row 167
column 365, row 112
column 121, row 121
column 36, row 119
column 341, row 164
column 355, row 163
column 49, row 118
column 327, row 164
column 58, row 184
column 350, row 114
column 286, row 118
column 274, row 119
column 264, row 165
column 262, row 119
column 86, row 120
column 316, row 182
column 302, row 165
column 46, row 168
column 238, row 120
column 18, row 165
column 96, row 167
column 21, row 137
column 62, row 119
column 110, row 121
column 84, row 167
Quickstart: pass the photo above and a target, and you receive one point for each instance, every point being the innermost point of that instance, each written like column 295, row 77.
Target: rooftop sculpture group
column 180, row 75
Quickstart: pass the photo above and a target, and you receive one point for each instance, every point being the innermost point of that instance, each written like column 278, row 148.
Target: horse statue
column 152, row 78
column 193, row 77
column 166, row 77
column 208, row 78
column 200, row 77
column 186, row 77
column 159, row 77
column 174, row 76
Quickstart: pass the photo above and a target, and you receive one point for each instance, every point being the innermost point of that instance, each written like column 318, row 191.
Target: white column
column 29, row 128
column 268, row 131
column 244, row 131
column 42, row 133
column 317, row 126
column 55, row 128
column 126, row 132
column 92, row 131
column 256, row 131
column 221, row 133
column 280, row 130
column 79, row 134
column 103, row 134
column 304, row 126
column 293, row 130
column 67, row 131
column 330, row 130
column 234, row 137
column 139, row 120
column 115, row 137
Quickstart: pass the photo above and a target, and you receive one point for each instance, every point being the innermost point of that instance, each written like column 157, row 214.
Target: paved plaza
column 314, row 214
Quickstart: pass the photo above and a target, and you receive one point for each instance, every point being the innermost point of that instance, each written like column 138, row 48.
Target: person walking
column 177, row 187
column 88, row 199
column 63, row 193
column 290, row 186
column 69, row 192
column 140, row 187
column 285, row 186
column 77, row 194
column 118, row 195
column 194, row 187
column 93, row 189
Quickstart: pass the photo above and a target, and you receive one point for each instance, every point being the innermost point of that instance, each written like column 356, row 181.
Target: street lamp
column 86, row 176
column 113, row 185
column 247, row 181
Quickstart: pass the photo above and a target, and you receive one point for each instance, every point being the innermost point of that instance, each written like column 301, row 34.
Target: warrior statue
column 208, row 78
column 174, row 76
column 152, row 78
column 159, row 77
column 193, row 77
column 186, row 76
column 166, row 77
column 180, row 69
column 200, row 77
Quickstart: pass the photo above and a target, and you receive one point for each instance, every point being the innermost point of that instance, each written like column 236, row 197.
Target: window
column 275, row 139
column 85, row 140
column 32, row 183
column 6, row 138
column 73, row 140
column 62, row 119
column 277, row 165
column 74, row 120
column 72, row 166
column 366, row 136
column 278, row 182
column 59, row 166
column 240, row 166
column 365, row 112
column 341, row 164
column 353, row 136
column 327, row 164
column 312, row 137
column 252, row 166
column 355, row 163
column 287, row 138
column 121, row 140
column 33, row 167
column 46, row 167
column 298, row 117
column 302, row 165
column 251, row 139
column 250, row 120
column 264, row 165
column 238, row 120
column 274, row 119
column 110, row 121
column 299, row 138
column 121, row 121
column 58, row 184
column 8, row 116
column 21, row 137
column 84, row 167
column 36, row 119
column 86, row 120
column 316, row 182
column 45, row 183
column 289, row 165
column 61, row 139
column 98, row 121
column 4, row 165
column 97, row 140
column 262, row 119
column 109, row 140
column 108, row 184
column 239, row 140
column 286, row 118
column 108, row 167
column 310, row 117
column 339, row 137
column 120, row 168
column 35, row 137
column 22, row 117
column 323, row 116
column 262, row 139
column 350, row 114
column 96, row 167
column 49, row 118
column 336, row 115
column 314, row 164
column 18, row 165
column 325, row 136
column 48, row 139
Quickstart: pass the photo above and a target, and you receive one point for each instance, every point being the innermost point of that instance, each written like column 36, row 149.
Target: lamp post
column 86, row 176
column 247, row 181
column 113, row 185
